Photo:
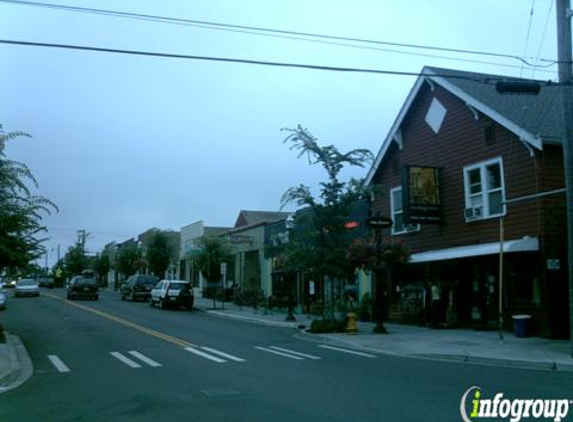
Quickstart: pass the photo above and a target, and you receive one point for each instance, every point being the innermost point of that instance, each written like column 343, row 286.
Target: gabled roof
column 248, row 218
column 535, row 119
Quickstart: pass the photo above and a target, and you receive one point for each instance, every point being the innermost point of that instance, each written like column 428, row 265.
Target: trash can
column 522, row 324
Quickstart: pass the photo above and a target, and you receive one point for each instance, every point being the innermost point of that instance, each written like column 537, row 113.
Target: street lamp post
column 289, row 224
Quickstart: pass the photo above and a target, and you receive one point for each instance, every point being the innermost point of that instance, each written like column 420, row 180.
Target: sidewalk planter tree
column 212, row 252
column 159, row 252
column 321, row 241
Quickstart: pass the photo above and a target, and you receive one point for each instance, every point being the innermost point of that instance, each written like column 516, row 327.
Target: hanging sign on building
column 420, row 195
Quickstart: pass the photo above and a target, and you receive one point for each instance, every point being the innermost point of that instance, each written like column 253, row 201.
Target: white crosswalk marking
column 58, row 363
column 205, row 355
column 125, row 360
column 225, row 355
column 352, row 352
column 144, row 359
column 264, row 349
column 292, row 352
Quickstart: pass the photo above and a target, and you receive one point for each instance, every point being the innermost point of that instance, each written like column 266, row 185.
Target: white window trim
column 484, row 193
column 407, row 228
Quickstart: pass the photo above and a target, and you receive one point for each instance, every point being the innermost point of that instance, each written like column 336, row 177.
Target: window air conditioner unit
column 473, row 213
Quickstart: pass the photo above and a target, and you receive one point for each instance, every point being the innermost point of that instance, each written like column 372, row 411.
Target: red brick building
column 488, row 148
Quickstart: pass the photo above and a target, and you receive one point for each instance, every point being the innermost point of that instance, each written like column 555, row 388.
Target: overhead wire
column 545, row 26
column 528, row 33
column 488, row 80
column 309, row 37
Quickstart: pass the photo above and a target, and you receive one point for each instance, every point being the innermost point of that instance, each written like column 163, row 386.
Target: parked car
column 11, row 282
column 26, row 287
column 3, row 299
column 173, row 293
column 46, row 281
column 138, row 286
column 82, row 286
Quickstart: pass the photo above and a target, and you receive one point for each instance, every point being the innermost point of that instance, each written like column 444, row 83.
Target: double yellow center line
column 125, row 322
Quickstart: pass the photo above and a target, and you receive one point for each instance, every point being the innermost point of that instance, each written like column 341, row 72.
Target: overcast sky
column 122, row 143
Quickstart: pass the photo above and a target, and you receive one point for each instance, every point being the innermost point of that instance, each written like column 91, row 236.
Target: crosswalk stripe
column 292, row 352
column 58, row 363
column 205, row 355
column 144, row 359
column 264, row 349
column 125, row 360
column 225, row 355
column 353, row 352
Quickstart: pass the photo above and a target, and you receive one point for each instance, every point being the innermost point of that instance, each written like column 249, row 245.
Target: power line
column 485, row 80
column 273, row 32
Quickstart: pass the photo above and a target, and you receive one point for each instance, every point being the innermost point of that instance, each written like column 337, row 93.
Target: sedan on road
column 26, row 287
column 172, row 293
column 83, row 286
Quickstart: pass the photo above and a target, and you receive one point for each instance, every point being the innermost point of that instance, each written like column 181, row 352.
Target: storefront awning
column 526, row 244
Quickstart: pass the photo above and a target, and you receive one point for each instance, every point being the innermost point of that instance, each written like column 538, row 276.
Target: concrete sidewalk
column 15, row 364
column 463, row 345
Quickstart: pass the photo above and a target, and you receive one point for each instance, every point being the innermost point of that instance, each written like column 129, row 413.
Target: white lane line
column 264, row 349
column 205, row 355
column 352, row 352
column 144, row 359
column 225, row 355
column 293, row 352
column 125, row 360
column 58, row 363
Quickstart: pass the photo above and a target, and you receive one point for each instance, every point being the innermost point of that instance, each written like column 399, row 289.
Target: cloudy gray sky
column 123, row 143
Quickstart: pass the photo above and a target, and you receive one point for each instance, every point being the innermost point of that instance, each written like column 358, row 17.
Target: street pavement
column 460, row 345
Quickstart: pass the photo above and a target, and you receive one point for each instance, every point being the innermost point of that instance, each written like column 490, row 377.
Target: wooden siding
column 461, row 142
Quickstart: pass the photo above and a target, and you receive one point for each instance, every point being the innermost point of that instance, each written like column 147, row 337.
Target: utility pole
column 564, row 55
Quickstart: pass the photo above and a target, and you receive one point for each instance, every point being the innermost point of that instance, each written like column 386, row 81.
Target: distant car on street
column 10, row 282
column 138, row 286
column 82, row 286
column 26, row 287
column 173, row 293
column 46, row 281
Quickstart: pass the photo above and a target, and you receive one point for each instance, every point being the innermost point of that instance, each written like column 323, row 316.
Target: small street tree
column 128, row 260
column 20, row 210
column 75, row 259
column 102, row 266
column 212, row 252
column 321, row 245
column 159, row 252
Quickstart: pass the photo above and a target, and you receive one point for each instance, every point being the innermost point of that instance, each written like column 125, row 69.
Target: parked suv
column 173, row 293
column 83, row 286
column 138, row 286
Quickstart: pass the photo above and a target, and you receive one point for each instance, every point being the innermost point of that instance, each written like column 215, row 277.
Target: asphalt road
column 112, row 360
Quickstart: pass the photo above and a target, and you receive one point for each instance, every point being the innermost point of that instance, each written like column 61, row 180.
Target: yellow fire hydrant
column 351, row 326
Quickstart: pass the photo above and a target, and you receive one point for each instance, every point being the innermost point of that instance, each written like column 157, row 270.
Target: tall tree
column 21, row 211
column 320, row 245
column 159, row 252
column 102, row 266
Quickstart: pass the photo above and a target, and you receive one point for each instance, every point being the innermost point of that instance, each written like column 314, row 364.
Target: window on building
column 397, row 213
column 435, row 115
column 484, row 190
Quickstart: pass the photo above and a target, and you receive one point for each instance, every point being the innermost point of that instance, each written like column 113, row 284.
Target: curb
column 254, row 320
column 445, row 357
column 20, row 367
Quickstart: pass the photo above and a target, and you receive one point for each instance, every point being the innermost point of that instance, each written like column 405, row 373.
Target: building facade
column 494, row 158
